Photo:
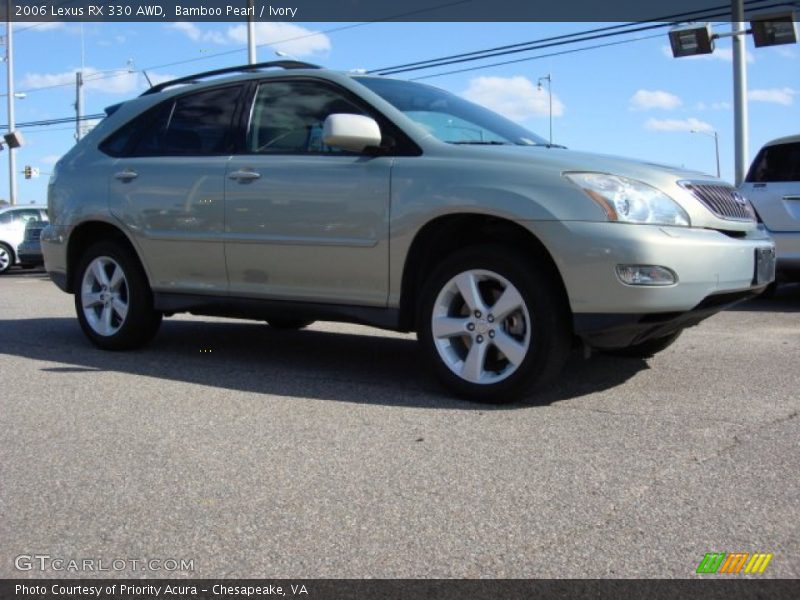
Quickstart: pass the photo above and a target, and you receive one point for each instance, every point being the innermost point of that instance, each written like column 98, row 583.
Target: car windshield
column 448, row 117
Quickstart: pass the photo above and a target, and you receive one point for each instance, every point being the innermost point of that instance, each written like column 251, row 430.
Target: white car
column 13, row 220
column 773, row 187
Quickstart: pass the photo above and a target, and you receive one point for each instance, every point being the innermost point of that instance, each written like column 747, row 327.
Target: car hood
column 564, row 160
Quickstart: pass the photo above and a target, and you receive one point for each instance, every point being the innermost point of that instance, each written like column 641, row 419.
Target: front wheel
column 113, row 298
column 492, row 325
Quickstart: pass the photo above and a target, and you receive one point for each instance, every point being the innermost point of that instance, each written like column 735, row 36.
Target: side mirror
column 353, row 133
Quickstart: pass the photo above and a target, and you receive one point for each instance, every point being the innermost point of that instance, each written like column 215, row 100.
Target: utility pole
column 78, row 105
column 12, row 157
column 549, row 81
column 251, row 34
column 739, row 90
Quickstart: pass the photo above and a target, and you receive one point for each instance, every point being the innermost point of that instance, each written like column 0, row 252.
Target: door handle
column 126, row 175
column 791, row 197
column 244, row 176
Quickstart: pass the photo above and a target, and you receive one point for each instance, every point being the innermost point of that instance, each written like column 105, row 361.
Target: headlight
column 630, row 201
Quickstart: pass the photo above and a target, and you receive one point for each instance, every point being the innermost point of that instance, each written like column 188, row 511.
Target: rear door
column 773, row 186
column 168, row 188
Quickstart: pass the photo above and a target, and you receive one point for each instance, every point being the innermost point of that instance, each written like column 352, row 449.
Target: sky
column 632, row 99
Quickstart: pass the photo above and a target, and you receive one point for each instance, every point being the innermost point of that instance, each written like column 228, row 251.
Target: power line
column 539, row 56
column 57, row 121
column 588, row 35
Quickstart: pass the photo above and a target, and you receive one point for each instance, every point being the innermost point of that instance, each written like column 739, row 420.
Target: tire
column 288, row 323
column 646, row 349
column 6, row 258
column 465, row 347
column 770, row 291
column 113, row 298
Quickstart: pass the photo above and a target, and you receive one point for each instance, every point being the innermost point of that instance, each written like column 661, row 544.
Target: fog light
column 646, row 275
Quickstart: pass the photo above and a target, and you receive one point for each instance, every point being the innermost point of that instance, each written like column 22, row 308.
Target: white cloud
column 677, row 125
column 721, row 105
column 94, row 80
column 194, row 33
column 49, row 159
column 723, row 54
column 784, row 96
column 648, row 99
column 785, row 52
column 517, row 98
column 286, row 37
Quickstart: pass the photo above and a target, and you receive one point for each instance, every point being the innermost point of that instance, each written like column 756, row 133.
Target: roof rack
column 282, row 64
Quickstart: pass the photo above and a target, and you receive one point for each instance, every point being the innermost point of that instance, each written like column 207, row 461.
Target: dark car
column 30, row 250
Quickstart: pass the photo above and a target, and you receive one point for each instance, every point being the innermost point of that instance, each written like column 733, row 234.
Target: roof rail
column 282, row 64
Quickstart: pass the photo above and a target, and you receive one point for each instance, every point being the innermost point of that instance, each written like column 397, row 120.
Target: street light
column 549, row 81
column 715, row 135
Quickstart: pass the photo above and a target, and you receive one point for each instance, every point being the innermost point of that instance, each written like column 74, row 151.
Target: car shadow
column 786, row 299
column 33, row 273
column 254, row 358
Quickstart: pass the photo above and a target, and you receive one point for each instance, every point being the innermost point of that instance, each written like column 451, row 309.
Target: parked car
column 30, row 250
column 13, row 220
column 290, row 193
column 773, row 187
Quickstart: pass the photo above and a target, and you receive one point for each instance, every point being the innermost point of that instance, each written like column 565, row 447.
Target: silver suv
column 290, row 193
column 773, row 187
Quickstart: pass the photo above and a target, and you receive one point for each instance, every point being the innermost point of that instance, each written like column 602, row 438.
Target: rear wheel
column 646, row 349
column 492, row 325
column 288, row 323
column 113, row 298
column 6, row 258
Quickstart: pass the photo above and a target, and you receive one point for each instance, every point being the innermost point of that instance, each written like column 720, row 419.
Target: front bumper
column 30, row 253
column 54, row 252
column 707, row 263
column 623, row 330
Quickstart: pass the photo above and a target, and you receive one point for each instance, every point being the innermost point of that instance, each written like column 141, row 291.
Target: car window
column 287, row 117
column 776, row 163
column 192, row 125
column 26, row 214
column 448, row 117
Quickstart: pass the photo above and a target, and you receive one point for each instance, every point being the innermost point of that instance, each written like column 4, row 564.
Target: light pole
column 739, row 91
column 79, row 81
column 715, row 135
column 251, row 34
column 549, row 81
column 12, row 156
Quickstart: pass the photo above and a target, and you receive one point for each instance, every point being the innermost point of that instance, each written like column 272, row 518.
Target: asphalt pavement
column 330, row 452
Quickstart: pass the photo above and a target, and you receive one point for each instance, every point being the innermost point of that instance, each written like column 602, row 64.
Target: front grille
column 722, row 200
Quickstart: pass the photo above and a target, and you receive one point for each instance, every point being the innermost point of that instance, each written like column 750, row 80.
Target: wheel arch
column 88, row 233
column 445, row 234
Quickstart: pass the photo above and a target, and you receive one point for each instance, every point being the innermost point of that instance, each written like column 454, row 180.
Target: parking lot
column 330, row 452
